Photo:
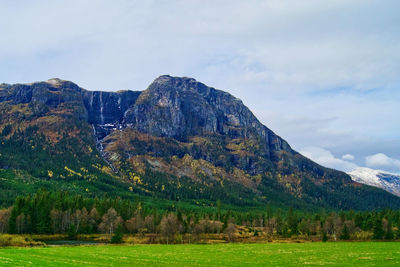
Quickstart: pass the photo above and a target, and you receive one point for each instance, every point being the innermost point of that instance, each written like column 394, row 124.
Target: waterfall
column 100, row 148
column 101, row 108
column 119, row 103
column 91, row 101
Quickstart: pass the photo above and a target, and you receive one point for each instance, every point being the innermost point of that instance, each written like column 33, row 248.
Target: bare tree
column 130, row 225
column 385, row 224
column 110, row 221
column 4, row 219
column 329, row 225
column 84, row 219
column 94, row 218
column 271, row 226
column 169, row 226
column 56, row 220
column 315, row 227
column 20, row 223
column 230, row 232
column 338, row 226
column 150, row 223
column 217, row 226
column 77, row 218
column 139, row 221
column 208, row 226
column 65, row 221
column 136, row 223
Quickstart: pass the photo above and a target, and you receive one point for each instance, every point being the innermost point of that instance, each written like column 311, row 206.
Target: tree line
column 62, row 213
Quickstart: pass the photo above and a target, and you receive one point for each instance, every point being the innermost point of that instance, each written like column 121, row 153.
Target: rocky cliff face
column 50, row 93
column 108, row 107
column 178, row 108
column 181, row 108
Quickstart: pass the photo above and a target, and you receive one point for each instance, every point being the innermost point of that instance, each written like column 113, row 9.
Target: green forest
column 70, row 214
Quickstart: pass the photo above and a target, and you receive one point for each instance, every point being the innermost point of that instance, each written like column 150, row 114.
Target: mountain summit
column 178, row 139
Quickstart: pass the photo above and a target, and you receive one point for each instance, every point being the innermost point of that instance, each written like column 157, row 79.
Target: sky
column 322, row 74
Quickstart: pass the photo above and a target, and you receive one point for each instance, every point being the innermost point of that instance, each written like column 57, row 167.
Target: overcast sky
column 324, row 75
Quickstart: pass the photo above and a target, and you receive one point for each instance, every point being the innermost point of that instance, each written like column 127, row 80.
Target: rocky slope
column 178, row 139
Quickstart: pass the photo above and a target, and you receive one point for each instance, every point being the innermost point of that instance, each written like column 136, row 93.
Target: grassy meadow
column 233, row 254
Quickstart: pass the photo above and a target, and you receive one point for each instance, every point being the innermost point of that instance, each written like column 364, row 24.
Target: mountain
column 381, row 179
column 178, row 140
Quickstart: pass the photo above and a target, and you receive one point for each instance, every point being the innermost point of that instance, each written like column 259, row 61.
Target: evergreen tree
column 72, row 232
column 378, row 229
column 389, row 235
column 292, row 222
column 324, row 237
column 118, row 236
column 345, row 235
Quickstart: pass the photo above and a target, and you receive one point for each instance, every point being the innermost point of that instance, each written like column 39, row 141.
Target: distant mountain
column 381, row 179
column 178, row 140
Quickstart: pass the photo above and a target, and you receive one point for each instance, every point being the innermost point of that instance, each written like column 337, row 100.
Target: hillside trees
column 60, row 213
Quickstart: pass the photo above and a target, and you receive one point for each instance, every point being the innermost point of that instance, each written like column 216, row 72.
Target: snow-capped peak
column 378, row 178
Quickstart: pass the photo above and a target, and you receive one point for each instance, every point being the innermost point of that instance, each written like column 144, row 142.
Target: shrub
column 7, row 240
column 363, row 235
column 345, row 235
column 72, row 232
column 324, row 237
column 117, row 237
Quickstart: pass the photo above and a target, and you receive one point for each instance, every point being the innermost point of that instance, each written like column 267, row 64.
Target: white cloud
column 381, row 160
column 326, row 158
column 348, row 157
column 318, row 73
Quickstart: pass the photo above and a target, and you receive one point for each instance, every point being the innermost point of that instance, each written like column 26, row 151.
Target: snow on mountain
column 382, row 179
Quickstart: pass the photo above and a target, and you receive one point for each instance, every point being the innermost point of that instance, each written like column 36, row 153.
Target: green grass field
column 272, row 254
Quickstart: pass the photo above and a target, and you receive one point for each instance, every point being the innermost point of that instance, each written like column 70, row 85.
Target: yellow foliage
column 97, row 166
column 107, row 170
column 72, row 172
column 135, row 178
column 50, row 174
column 187, row 159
